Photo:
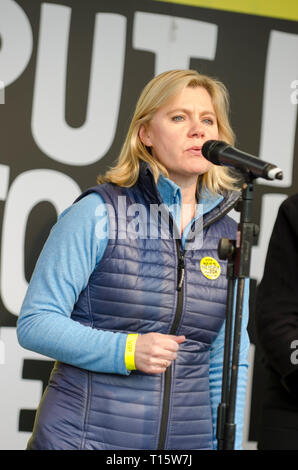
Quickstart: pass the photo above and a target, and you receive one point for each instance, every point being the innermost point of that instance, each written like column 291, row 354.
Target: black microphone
column 221, row 153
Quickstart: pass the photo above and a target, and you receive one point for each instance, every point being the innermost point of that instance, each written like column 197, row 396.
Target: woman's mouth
column 195, row 150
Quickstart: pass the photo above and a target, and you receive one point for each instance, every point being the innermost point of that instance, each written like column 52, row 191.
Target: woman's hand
column 154, row 352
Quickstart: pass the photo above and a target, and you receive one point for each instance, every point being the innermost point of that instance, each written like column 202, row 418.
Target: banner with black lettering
column 70, row 75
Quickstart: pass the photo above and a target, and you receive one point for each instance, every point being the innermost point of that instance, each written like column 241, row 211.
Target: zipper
column 168, row 372
column 222, row 214
column 177, row 318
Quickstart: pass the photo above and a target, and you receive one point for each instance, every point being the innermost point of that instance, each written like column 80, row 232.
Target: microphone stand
column 238, row 254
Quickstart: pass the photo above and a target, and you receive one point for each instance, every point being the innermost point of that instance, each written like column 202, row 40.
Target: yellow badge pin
column 210, row 268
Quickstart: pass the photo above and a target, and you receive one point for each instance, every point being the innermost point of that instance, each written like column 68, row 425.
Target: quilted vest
column 141, row 285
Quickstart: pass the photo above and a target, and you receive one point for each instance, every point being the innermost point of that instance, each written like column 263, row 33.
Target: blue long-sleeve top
column 75, row 246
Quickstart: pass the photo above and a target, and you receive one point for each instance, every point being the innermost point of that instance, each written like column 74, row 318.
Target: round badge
column 210, row 267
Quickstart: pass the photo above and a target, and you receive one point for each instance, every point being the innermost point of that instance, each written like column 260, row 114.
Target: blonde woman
column 134, row 317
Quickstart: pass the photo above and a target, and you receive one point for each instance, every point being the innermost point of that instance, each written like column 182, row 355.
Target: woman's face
column 178, row 131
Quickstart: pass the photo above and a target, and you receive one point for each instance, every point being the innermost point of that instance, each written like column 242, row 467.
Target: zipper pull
column 180, row 271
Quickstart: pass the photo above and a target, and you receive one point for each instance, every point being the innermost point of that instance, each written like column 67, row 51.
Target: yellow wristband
column 130, row 351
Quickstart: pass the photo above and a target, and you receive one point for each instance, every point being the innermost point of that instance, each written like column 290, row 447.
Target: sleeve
column 277, row 299
column 69, row 256
column 216, row 369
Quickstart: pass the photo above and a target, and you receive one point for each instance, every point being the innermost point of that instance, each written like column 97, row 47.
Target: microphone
column 221, row 153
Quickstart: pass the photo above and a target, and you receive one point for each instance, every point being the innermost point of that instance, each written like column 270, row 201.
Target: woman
column 136, row 322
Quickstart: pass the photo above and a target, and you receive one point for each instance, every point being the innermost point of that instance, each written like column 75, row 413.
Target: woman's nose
column 196, row 129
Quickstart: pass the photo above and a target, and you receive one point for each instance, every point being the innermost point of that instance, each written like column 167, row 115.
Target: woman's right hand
column 154, row 352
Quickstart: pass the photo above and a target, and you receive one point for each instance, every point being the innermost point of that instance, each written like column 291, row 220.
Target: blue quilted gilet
column 138, row 287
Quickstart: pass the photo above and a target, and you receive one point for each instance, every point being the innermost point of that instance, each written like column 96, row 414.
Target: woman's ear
column 144, row 136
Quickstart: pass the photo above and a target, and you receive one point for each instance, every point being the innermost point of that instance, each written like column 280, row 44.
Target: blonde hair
column 155, row 94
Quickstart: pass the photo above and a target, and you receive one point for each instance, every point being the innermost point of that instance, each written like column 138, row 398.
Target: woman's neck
column 189, row 202
column 188, row 188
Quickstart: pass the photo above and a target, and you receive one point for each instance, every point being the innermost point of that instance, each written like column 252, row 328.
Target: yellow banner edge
column 274, row 9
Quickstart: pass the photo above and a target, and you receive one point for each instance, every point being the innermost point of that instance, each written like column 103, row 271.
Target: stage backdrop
column 70, row 74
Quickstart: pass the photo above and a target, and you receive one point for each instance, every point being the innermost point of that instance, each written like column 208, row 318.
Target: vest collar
column 216, row 207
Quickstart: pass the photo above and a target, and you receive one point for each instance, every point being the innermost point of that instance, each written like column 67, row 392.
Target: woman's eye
column 177, row 118
column 208, row 121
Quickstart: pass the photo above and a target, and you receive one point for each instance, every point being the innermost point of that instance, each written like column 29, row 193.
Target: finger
column 159, row 370
column 156, row 368
column 161, row 363
column 168, row 355
column 171, row 343
column 179, row 339
column 162, row 367
column 166, row 363
column 164, row 351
